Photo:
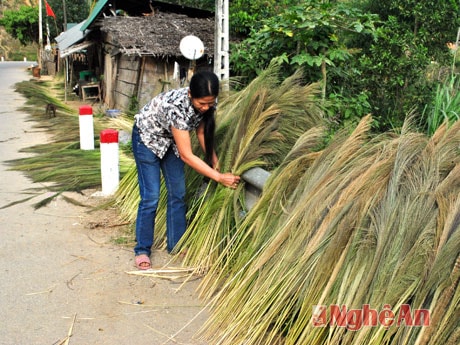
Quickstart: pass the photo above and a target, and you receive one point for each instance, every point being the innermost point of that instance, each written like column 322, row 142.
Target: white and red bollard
column 86, row 128
column 110, row 174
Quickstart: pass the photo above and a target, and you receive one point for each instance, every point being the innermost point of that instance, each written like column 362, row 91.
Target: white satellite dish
column 191, row 47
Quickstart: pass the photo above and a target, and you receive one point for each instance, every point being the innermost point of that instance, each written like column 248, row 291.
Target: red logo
column 355, row 319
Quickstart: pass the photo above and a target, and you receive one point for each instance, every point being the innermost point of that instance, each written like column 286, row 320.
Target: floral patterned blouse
column 172, row 108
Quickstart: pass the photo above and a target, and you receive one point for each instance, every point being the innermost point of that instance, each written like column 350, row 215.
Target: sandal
column 143, row 262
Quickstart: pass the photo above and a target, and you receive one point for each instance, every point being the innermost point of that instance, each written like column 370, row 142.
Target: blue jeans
column 148, row 173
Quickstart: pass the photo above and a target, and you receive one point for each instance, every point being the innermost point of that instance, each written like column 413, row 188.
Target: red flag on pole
column 49, row 10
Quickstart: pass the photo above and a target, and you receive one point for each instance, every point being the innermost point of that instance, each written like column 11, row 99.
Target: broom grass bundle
column 361, row 227
column 276, row 230
column 261, row 123
column 265, row 212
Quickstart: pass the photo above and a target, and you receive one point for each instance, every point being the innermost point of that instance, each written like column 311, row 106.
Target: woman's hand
column 229, row 180
column 183, row 143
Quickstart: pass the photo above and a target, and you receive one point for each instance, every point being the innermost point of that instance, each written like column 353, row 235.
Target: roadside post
column 86, row 127
column 110, row 174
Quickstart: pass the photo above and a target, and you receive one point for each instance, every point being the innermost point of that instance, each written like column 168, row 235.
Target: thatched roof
column 157, row 35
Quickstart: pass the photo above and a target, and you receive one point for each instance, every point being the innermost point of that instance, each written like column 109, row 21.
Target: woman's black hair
column 205, row 84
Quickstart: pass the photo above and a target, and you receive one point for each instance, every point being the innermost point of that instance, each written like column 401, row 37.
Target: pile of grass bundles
column 371, row 222
column 365, row 221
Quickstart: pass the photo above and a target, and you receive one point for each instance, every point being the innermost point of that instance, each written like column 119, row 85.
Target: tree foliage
column 311, row 33
column 412, row 40
column 21, row 24
column 247, row 15
column 373, row 56
column 432, row 23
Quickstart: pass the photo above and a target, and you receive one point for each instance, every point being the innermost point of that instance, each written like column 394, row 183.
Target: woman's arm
column 184, row 145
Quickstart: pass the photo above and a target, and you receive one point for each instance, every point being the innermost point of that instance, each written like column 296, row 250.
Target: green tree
column 311, row 34
column 412, row 40
column 22, row 24
column 247, row 15
column 373, row 56
column 432, row 23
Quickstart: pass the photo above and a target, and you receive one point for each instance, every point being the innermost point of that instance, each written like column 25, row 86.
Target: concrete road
column 59, row 278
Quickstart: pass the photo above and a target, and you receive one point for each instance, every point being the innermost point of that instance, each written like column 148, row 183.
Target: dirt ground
column 65, row 278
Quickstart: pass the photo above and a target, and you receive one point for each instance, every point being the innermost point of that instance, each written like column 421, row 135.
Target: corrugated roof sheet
column 71, row 36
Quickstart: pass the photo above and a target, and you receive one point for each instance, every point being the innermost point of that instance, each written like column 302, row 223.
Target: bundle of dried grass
column 257, row 127
column 371, row 222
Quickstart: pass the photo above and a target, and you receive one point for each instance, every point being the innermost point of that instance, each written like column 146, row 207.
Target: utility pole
column 65, row 16
column 40, row 34
column 221, row 45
